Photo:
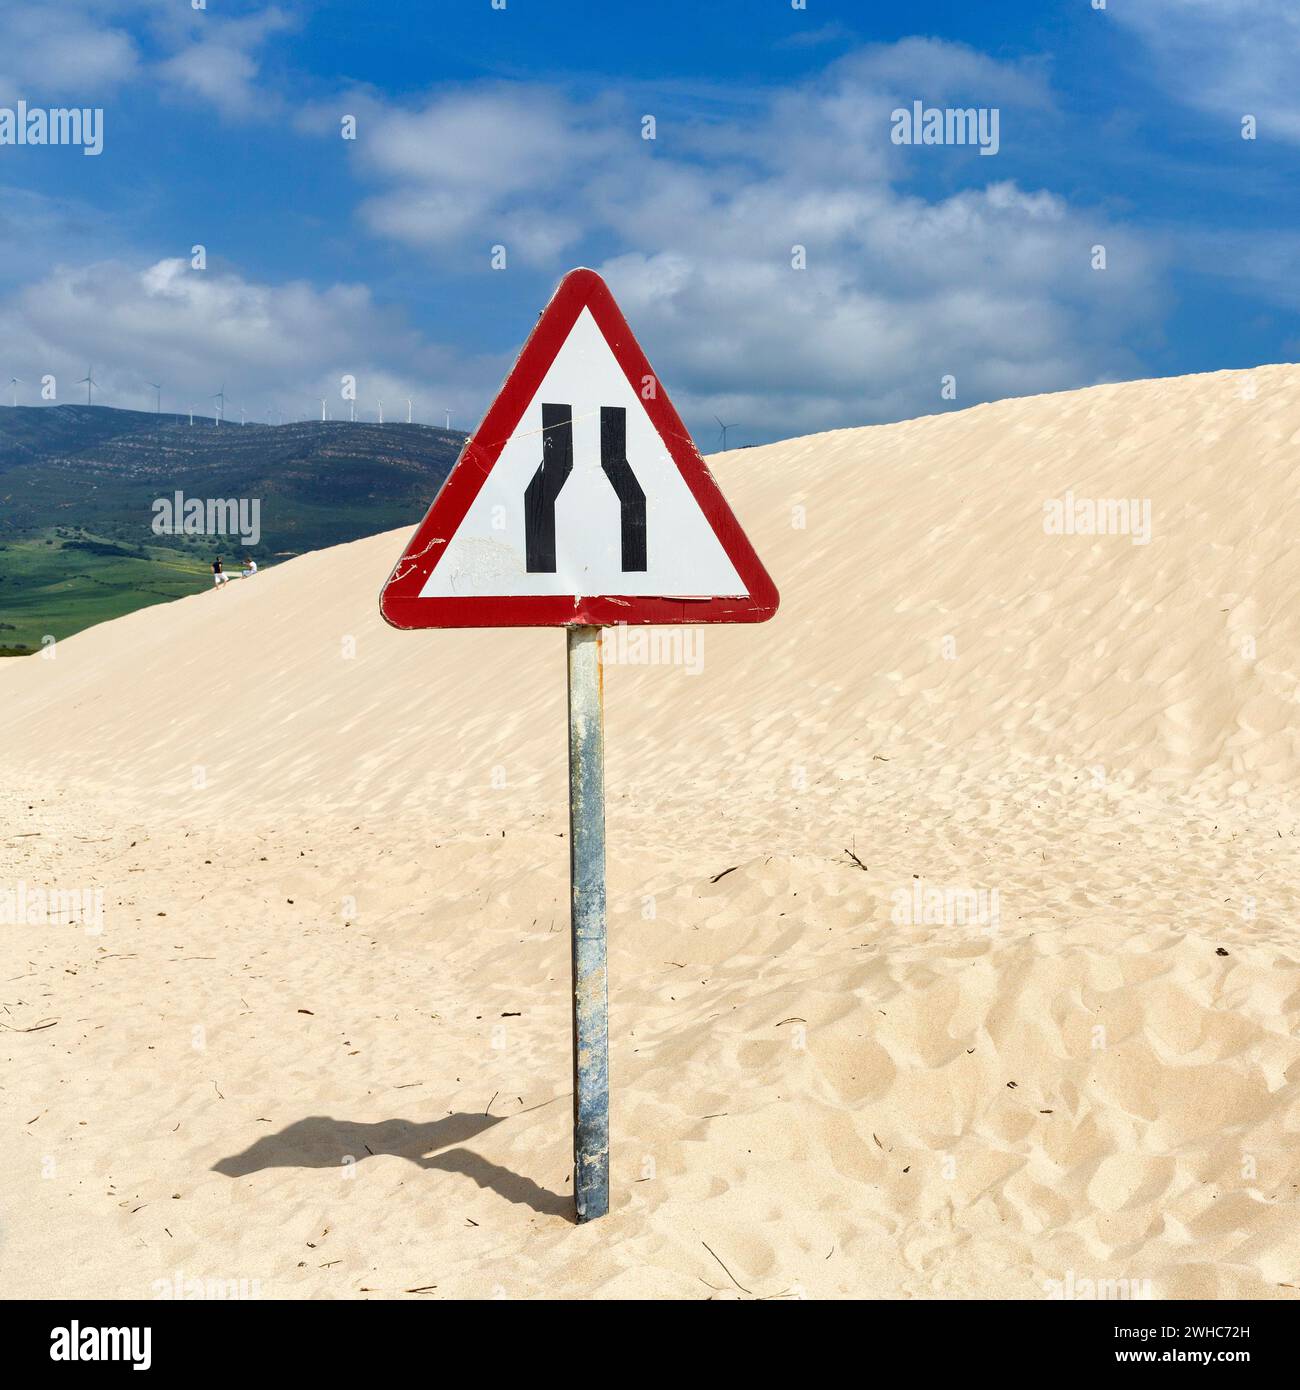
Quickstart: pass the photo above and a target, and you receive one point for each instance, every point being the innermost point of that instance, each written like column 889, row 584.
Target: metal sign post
column 522, row 534
column 587, row 900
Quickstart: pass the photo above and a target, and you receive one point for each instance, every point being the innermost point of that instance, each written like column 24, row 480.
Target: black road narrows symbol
column 553, row 472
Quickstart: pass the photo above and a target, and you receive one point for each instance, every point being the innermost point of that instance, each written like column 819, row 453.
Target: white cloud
column 220, row 64
column 61, row 54
column 270, row 345
column 991, row 287
column 1228, row 57
column 832, row 32
column 37, row 229
column 991, row 284
column 74, row 51
column 493, row 165
column 1260, row 263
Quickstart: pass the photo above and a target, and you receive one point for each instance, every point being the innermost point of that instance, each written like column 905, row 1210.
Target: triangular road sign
column 580, row 500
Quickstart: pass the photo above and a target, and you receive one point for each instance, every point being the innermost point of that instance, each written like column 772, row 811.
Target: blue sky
column 522, row 127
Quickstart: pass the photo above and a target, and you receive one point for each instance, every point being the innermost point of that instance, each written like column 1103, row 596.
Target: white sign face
column 588, row 414
column 580, row 500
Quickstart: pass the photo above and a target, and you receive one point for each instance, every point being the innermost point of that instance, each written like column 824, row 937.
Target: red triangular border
column 400, row 601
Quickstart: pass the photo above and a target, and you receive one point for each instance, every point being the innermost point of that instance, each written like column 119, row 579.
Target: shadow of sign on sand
column 320, row 1141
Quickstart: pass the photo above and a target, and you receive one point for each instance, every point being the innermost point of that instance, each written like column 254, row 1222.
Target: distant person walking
column 219, row 576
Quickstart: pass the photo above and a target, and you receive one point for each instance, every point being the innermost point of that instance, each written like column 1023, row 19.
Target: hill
column 78, row 486
column 953, row 943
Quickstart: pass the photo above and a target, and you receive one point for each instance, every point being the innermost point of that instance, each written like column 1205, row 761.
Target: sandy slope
column 322, row 1043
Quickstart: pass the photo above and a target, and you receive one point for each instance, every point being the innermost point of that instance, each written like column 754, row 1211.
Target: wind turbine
column 89, row 382
column 408, row 410
column 241, row 414
column 14, row 383
column 381, row 412
column 724, row 429
column 157, row 386
column 220, row 398
column 191, row 412
column 447, row 408
column 322, row 408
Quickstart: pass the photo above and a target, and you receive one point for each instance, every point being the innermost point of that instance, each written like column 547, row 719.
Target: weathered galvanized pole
column 587, row 899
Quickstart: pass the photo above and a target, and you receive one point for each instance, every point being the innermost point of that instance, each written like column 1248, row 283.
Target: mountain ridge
column 78, row 484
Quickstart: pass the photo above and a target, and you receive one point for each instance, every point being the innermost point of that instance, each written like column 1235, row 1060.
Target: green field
column 78, row 486
column 56, row 583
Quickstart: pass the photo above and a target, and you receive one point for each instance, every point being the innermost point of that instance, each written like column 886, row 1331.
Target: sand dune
column 997, row 995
